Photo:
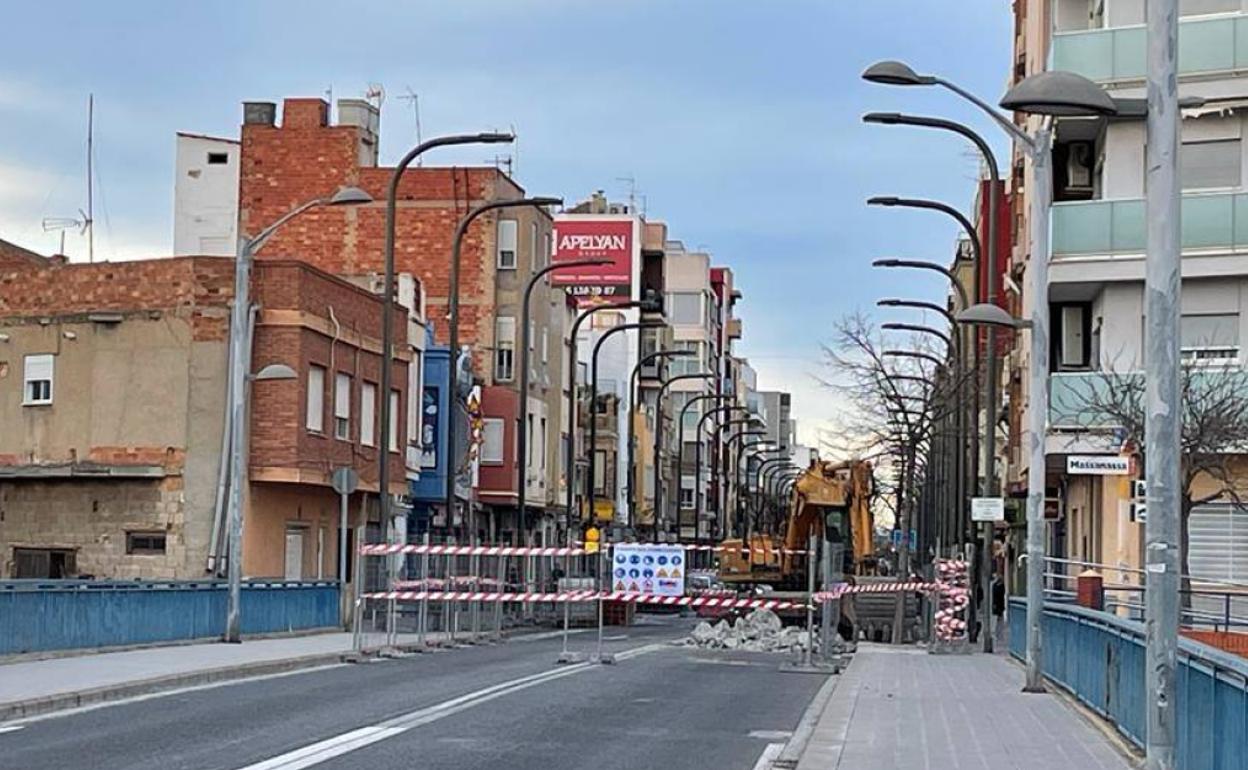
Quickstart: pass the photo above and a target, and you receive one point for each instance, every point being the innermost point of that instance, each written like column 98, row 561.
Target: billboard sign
column 655, row 570
column 611, row 239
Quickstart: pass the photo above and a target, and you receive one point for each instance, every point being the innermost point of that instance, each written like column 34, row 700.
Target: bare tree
column 1214, row 429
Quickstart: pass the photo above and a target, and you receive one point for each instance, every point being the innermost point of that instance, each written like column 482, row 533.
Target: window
column 535, row 258
column 693, row 364
column 315, row 420
column 413, row 413
column 1206, row 7
column 145, row 543
column 530, row 443
column 368, row 414
column 1209, row 338
column 1210, row 165
column 545, row 249
column 600, row 472
column 342, row 407
column 507, row 244
column 218, row 158
column 394, row 421
column 532, row 335
column 545, row 345
column 492, row 441
column 686, row 493
column 38, row 380
column 541, row 438
column 1072, row 336
column 44, row 563
column 504, row 349
column 684, row 308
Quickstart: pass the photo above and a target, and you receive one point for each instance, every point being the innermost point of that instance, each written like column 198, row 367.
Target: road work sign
column 654, row 570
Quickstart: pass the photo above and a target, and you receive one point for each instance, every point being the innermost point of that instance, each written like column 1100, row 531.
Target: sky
column 736, row 122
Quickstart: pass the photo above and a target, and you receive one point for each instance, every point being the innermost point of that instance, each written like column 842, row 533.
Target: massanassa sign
column 610, row 239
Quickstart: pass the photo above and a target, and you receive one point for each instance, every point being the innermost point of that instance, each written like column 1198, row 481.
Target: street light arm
column 921, row 305
column 934, row 267
column 920, row 329
column 254, row 244
column 923, row 121
column 1008, row 126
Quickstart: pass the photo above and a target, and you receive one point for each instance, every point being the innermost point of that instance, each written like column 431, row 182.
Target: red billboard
column 595, row 239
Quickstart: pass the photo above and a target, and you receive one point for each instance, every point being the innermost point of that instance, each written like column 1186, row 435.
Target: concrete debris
column 760, row 631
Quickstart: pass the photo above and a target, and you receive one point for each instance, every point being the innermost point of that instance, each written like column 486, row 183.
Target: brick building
column 113, row 398
column 305, row 156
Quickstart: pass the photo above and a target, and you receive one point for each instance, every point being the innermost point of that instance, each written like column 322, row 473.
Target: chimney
column 598, row 203
column 259, row 113
column 365, row 116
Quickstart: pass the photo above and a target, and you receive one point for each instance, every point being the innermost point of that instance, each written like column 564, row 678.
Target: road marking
column 318, row 752
column 11, row 728
column 545, row 635
column 619, row 638
column 772, row 735
column 770, row 752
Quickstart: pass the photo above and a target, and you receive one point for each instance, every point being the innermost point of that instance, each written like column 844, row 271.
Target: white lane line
column 768, row 756
column 545, row 635
column 321, row 751
column 10, row 728
column 772, row 735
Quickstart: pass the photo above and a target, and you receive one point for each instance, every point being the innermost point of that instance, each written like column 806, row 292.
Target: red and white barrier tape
column 586, row 596
column 877, row 588
column 381, row 549
column 438, row 583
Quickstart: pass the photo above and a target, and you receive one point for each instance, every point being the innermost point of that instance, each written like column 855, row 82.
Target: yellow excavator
column 831, row 499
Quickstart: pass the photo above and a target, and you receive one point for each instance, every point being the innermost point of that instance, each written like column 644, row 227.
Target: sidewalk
column 901, row 708
column 35, row 687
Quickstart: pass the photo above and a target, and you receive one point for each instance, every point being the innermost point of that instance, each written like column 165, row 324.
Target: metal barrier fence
column 45, row 615
column 1099, row 658
column 1210, row 604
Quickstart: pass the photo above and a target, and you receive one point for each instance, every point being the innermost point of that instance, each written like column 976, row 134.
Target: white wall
column 1123, row 172
column 205, row 197
column 1120, row 311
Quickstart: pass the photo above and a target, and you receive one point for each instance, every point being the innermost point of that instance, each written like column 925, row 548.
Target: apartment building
column 113, row 394
column 1096, row 294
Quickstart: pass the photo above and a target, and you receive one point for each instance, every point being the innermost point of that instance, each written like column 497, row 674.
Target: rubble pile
column 760, row 631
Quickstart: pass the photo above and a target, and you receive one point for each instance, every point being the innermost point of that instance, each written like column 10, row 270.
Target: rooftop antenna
column 89, row 222
column 414, row 99
column 63, row 224
column 631, row 181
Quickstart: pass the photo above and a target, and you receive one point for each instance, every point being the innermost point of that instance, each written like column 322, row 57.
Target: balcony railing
column 1211, row 221
column 1206, row 45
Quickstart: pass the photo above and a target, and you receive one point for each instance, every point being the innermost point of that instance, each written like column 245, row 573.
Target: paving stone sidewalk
column 903, row 709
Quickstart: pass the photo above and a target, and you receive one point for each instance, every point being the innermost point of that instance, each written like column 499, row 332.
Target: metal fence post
column 357, row 635
column 501, row 588
column 810, row 599
column 424, row 587
column 474, row 583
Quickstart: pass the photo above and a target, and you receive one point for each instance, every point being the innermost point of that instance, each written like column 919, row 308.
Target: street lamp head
column 883, row 118
column 890, row 262
column 888, row 303
column 494, row 137
column 883, row 200
column 894, row 73
column 1060, row 94
column 348, row 196
column 985, row 314
column 546, row 200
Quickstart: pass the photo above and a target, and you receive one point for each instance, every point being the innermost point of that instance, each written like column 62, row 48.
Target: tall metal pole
column 240, row 326
column 522, row 439
column 658, row 439
column 387, row 320
column 699, row 497
column 634, row 400
column 1038, row 402
column 593, row 401
column 680, row 455
column 1163, row 424
column 453, row 299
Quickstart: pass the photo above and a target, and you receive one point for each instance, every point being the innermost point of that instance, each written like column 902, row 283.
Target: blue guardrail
column 44, row 615
column 1099, row 658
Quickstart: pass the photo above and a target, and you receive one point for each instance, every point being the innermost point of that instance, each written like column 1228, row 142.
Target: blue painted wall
column 430, row 489
column 42, row 615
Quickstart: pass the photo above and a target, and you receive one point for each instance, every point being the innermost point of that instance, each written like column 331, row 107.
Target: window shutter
column 368, row 413
column 342, row 396
column 39, row 367
column 316, row 399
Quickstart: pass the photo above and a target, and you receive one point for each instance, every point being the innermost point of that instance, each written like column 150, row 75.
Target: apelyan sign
column 595, row 239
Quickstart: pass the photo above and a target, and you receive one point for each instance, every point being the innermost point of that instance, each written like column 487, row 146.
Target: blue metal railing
column 1099, row 658
column 44, row 615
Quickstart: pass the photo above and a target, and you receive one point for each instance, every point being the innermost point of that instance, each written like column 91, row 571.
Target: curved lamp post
column 593, row 403
column 697, row 451
column 387, row 313
column 680, row 454
column 241, row 328
column 522, row 440
column 658, row 439
column 632, row 422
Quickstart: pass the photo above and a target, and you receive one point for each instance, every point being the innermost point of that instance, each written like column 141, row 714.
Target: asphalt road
column 506, row 706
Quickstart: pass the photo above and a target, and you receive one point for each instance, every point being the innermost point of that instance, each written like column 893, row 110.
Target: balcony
column 1206, row 45
column 1215, row 222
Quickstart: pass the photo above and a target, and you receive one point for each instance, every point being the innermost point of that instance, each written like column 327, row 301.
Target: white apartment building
column 205, row 196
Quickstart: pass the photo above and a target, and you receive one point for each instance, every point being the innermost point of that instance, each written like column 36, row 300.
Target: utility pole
column 1162, row 287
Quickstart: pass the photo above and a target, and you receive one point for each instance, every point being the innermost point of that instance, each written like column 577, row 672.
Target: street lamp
column 680, row 453
column 387, row 312
column 658, row 436
column 593, row 402
column 241, row 333
column 570, row 440
column 720, row 469
column 1051, row 93
column 453, row 299
column 632, row 422
column 697, row 452
column 522, row 440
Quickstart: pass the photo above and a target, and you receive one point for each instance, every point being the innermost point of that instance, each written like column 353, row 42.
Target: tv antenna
column 414, row 99
column 66, row 223
column 88, row 223
column 631, row 181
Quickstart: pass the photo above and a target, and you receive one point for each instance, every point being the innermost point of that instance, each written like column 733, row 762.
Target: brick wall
column 284, row 166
